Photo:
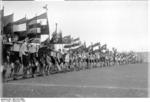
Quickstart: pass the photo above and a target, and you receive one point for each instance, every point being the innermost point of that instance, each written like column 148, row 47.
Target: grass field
column 118, row 81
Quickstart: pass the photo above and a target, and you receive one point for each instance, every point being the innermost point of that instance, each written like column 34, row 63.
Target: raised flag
column 20, row 21
column 66, row 39
column 104, row 47
column 44, row 26
column 41, row 16
column 96, row 44
column 77, row 48
column 38, row 19
column 90, row 47
column 33, row 26
column 56, row 38
column 76, row 39
column 72, row 45
column 20, row 25
column 40, row 23
column 7, row 19
column 76, row 44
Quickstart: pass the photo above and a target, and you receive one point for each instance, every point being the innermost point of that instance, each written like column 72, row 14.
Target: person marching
column 24, row 57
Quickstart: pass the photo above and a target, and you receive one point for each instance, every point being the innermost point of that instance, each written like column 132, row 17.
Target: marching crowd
column 46, row 61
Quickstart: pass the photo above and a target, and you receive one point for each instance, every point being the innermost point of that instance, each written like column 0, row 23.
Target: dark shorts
column 87, row 60
column 4, row 73
column 25, row 60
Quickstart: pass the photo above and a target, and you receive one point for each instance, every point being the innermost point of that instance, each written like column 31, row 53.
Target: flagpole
column 1, row 38
column 12, row 33
column 92, row 46
column 61, row 42
column 26, row 26
column 2, row 15
column 36, row 22
column 45, row 7
column 48, row 21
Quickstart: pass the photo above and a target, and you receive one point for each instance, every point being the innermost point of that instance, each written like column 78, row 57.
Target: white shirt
column 67, row 58
column 23, row 49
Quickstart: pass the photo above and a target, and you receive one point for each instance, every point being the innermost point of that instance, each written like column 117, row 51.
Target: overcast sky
column 120, row 24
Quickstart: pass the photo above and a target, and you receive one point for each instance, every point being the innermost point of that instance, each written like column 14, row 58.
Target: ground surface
column 119, row 81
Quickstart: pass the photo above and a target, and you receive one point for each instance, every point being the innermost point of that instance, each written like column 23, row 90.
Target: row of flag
column 77, row 46
column 37, row 25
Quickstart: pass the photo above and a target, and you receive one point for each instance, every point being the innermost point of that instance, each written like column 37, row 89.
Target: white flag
column 20, row 27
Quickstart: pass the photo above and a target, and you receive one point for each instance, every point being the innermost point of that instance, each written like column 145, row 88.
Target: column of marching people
column 44, row 62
